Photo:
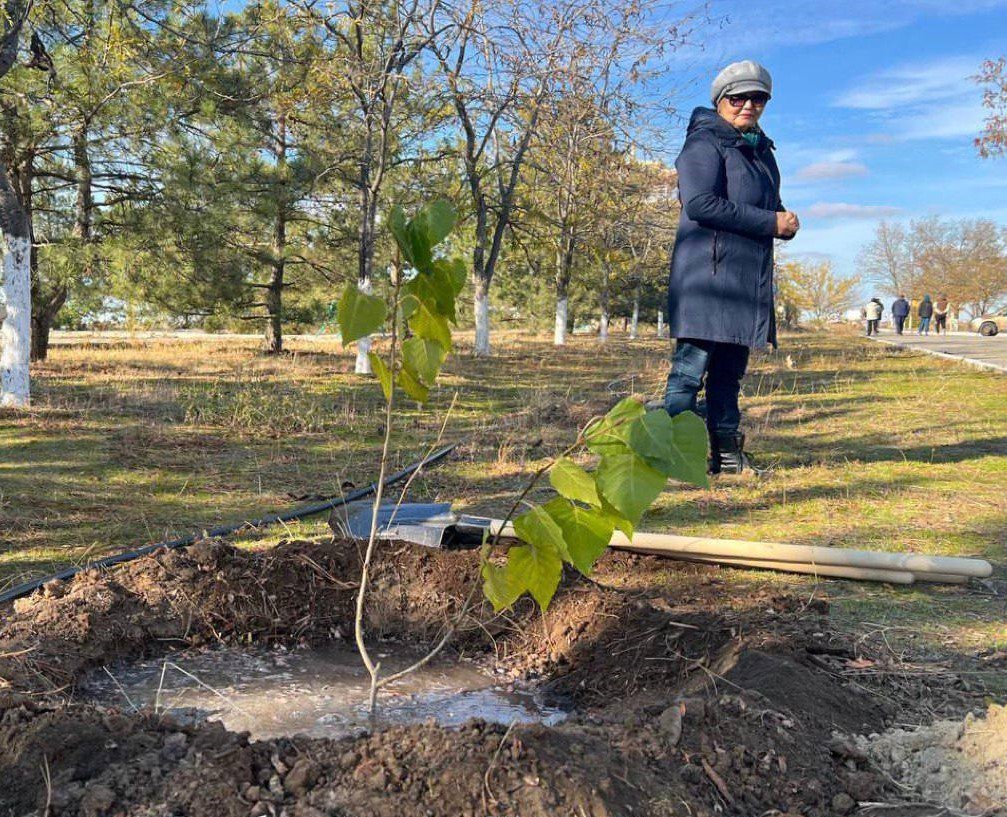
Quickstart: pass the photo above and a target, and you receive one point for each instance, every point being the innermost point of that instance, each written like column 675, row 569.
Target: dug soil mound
column 958, row 764
column 675, row 709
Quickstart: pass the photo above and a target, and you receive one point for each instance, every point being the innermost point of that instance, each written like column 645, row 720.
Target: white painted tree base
column 482, row 315
column 562, row 315
column 15, row 331
column 363, row 363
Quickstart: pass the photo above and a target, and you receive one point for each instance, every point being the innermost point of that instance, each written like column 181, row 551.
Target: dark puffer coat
column 721, row 283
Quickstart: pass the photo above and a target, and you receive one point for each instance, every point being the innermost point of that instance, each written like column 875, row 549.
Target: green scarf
column 752, row 137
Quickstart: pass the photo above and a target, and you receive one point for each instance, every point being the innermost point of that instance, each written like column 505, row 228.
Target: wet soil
column 699, row 705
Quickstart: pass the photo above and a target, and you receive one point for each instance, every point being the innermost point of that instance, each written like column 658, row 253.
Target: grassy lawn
column 139, row 440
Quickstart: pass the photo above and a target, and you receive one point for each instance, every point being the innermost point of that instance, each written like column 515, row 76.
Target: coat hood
column 707, row 119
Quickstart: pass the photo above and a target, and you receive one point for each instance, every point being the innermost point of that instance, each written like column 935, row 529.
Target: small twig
column 717, row 781
column 160, row 686
column 203, row 684
column 489, row 769
column 47, row 779
column 121, row 689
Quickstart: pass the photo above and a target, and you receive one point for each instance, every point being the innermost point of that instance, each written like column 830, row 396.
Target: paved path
column 988, row 353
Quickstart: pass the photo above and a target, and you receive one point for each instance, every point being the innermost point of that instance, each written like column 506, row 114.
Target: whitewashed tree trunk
column 603, row 326
column 634, row 324
column 363, row 364
column 562, row 316
column 15, row 332
column 660, row 323
column 482, row 315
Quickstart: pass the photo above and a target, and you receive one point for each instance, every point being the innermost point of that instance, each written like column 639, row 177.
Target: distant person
column 720, row 291
column 900, row 311
column 926, row 312
column 941, row 309
column 873, row 311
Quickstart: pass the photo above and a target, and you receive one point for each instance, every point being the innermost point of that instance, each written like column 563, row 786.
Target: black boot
column 727, row 454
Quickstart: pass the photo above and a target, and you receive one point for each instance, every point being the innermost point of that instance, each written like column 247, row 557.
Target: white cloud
column 839, row 209
column 951, row 122
column 914, row 84
column 933, row 100
column 824, row 171
column 784, row 23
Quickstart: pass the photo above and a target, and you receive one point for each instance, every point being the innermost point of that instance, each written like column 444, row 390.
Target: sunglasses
column 759, row 100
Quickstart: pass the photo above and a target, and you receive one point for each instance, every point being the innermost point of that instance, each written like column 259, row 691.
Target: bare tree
column 887, row 260
column 15, row 331
column 374, row 46
column 993, row 76
column 502, row 62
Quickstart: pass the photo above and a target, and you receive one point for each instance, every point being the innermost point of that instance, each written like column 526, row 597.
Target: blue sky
column 873, row 110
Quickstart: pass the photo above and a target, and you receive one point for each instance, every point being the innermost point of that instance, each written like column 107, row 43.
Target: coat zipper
column 716, row 239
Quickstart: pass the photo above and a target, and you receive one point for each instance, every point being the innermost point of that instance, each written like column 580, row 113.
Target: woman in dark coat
column 720, row 292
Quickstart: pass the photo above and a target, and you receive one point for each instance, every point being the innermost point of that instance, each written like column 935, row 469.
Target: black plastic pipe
column 296, row 513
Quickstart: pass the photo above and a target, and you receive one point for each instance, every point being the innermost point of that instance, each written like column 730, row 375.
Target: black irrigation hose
column 297, row 513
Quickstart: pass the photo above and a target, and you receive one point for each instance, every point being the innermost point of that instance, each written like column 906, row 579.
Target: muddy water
column 319, row 692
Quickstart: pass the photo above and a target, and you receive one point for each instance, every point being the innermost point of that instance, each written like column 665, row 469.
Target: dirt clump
column 206, row 593
column 957, row 764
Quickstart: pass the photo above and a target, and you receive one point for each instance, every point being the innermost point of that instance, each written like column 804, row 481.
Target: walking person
column 720, row 290
column 873, row 311
column 900, row 311
column 941, row 309
column 926, row 312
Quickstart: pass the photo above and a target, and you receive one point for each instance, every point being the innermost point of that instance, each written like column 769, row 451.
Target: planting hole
column 316, row 692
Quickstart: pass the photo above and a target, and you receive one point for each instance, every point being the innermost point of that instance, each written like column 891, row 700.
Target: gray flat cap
column 739, row 78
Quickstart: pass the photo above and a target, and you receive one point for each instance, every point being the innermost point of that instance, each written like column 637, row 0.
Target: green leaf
column 538, row 569
column 381, row 372
column 454, row 271
column 536, row 527
column 423, row 358
column 359, row 314
column 426, row 322
column 411, row 386
column 400, row 232
column 629, row 484
column 529, row 568
column 500, row 585
column 440, row 218
column 434, row 290
column 620, row 522
column 587, row 532
column 677, row 447
column 419, row 243
column 611, row 432
column 573, row 482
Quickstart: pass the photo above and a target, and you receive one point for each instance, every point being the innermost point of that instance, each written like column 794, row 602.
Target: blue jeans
column 724, row 365
column 924, row 327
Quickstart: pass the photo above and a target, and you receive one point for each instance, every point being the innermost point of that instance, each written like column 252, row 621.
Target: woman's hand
column 787, row 224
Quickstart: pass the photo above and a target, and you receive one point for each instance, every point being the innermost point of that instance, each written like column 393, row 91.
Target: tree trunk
column 564, row 266
column 660, row 323
column 43, row 317
column 15, row 331
column 363, row 363
column 603, row 302
column 634, row 325
column 481, row 280
column 365, row 247
column 482, row 316
column 562, row 319
column 365, row 268
column 274, row 291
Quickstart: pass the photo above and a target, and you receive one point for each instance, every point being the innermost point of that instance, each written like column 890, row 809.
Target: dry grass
column 137, row 440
